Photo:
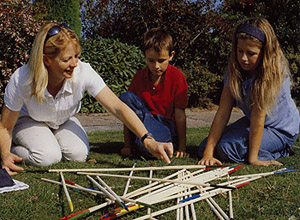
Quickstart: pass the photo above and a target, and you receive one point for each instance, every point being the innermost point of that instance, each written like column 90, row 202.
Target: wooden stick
column 112, row 193
column 192, row 204
column 94, row 192
column 187, row 213
column 218, row 214
column 215, row 192
column 152, row 186
column 165, row 186
column 230, row 202
column 66, row 191
column 111, row 197
column 172, row 193
column 150, row 176
column 158, row 198
column 158, row 180
column 129, row 169
column 218, row 208
column 263, row 174
column 181, row 209
column 128, row 181
column 164, row 192
column 230, row 205
column 80, row 187
column 118, row 200
column 193, row 209
column 86, row 211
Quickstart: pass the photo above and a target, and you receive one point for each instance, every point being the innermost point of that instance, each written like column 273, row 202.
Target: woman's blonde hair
column 270, row 73
column 38, row 77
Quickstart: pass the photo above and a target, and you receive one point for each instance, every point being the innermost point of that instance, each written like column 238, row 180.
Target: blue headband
column 253, row 31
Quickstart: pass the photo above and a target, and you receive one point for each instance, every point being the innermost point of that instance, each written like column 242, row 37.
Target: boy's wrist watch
column 147, row 135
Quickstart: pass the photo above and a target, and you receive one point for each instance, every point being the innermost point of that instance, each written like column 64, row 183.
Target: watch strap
column 146, row 136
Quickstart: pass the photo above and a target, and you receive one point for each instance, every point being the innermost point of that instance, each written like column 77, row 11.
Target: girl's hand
column 265, row 163
column 159, row 149
column 209, row 161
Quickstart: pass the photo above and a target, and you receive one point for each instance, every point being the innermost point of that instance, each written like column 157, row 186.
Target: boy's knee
column 126, row 97
column 220, row 154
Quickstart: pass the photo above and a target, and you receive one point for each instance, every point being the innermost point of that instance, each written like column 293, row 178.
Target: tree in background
column 201, row 30
column 66, row 11
column 284, row 16
column 194, row 26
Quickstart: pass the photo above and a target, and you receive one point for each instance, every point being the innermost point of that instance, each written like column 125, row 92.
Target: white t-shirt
column 52, row 111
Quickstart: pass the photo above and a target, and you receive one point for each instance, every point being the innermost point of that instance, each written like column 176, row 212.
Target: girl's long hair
column 270, row 73
column 38, row 74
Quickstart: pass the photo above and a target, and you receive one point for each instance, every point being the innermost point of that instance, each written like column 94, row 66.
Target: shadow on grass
column 193, row 151
column 115, row 148
column 106, row 148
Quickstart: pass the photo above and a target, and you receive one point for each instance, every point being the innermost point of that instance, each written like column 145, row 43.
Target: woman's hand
column 8, row 162
column 209, row 161
column 265, row 163
column 158, row 149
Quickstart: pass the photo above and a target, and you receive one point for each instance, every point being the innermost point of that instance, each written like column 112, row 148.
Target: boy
column 158, row 95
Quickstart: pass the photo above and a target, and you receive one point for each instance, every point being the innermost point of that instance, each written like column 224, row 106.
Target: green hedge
column 203, row 85
column 115, row 62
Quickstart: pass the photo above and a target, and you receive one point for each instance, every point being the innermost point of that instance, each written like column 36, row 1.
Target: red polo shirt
column 170, row 93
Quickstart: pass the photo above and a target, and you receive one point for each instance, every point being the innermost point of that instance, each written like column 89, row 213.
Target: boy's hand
column 181, row 154
column 209, row 161
column 8, row 162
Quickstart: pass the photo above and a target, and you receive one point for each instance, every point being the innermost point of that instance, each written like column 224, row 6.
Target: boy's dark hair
column 157, row 39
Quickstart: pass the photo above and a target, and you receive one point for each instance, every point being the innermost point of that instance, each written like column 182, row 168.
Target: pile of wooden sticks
column 184, row 187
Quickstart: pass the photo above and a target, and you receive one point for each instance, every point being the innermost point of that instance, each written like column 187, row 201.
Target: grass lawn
column 273, row 197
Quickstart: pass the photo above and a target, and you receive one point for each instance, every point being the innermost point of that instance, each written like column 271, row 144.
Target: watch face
column 149, row 135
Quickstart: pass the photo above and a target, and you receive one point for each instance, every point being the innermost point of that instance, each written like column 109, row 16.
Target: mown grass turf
column 273, row 197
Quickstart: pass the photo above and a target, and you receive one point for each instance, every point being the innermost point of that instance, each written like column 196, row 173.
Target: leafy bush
column 294, row 61
column 115, row 62
column 203, row 85
column 18, row 29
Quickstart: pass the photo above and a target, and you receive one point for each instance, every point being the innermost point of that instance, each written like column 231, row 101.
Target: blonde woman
column 258, row 82
column 42, row 98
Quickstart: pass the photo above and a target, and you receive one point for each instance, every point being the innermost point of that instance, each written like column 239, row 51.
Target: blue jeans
column 234, row 143
column 163, row 129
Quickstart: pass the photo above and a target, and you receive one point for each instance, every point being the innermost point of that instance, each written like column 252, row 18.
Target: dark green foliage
column 115, row 62
column 201, row 29
column 18, row 29
column 202, row 84
column 294, row 59
column 194, row 26
column 66, row 11
column 284, row 16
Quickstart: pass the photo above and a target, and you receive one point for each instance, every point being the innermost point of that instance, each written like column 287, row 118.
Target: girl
column 42, row 98
column 258, row 81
